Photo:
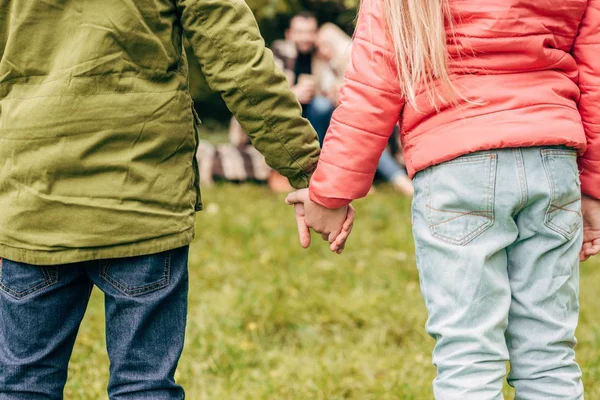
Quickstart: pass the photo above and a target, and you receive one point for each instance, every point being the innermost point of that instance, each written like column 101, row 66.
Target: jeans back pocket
column 137, row 276
column 20, row 280
column 564, row 211
column 460, row 197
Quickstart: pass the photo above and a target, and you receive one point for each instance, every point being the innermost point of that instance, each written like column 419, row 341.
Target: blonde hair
column 334, row 36
column 418, row 31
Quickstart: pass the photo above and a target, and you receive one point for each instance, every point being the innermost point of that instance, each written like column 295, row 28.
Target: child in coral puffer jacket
column 500, row 106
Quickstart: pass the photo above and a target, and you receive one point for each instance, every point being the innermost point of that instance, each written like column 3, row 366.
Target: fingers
column 338, row 249
column 339, row 243
column 332, row 236
column 299, row 196
column 592, row 249
column 584, row 249
column 596, row 246
column 341, row 249
column 303, row 231
column 337, row 238
column 332, row 239
column 349, row 223
column 583, row 257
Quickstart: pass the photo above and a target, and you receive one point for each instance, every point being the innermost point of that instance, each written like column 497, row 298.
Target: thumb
column 333, row 235
column 296, row 197
column 349, row 223
column 303, row 230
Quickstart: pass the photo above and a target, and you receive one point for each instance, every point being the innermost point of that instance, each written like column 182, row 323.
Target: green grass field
column 268, row 320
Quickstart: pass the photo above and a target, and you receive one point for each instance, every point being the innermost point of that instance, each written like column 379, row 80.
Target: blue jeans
column 497, row 237
column 319, row 112
column 41, row 309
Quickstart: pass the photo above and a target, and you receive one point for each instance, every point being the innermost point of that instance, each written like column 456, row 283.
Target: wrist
column 587, row 197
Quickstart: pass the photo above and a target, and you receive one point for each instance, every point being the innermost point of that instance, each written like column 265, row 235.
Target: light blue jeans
column 497, row 237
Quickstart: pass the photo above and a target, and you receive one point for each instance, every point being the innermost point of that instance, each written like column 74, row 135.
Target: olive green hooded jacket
column 97, row 129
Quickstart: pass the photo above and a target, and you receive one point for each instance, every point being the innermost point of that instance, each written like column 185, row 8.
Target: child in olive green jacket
column 98, row 182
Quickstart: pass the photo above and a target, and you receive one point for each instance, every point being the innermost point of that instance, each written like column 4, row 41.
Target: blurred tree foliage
column 273, row 17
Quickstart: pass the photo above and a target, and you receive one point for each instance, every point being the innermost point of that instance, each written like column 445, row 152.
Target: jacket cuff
column 326, row 202
column 302, row 180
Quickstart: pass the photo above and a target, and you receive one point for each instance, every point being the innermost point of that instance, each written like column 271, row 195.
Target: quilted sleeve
column 587, row 54
column 370, row 105
column 232, row 54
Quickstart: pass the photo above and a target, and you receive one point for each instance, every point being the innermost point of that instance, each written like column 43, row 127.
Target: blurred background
column 273, row 17
column 268, row 320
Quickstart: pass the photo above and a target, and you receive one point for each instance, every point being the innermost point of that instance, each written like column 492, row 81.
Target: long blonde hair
column 418, row 31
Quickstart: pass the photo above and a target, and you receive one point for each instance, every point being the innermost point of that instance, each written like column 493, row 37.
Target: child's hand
column 591, row 227
column 334, row 226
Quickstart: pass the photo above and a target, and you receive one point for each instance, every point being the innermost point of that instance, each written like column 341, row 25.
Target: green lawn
column 268, row 320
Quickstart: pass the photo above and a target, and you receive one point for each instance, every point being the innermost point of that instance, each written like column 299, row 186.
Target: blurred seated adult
column 309, row 75
column 334, row 47
column 315, row 61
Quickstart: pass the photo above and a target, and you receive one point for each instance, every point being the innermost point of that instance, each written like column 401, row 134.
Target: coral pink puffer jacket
column 531, row 69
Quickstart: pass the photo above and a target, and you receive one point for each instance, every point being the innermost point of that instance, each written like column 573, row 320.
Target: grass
column 268, row 320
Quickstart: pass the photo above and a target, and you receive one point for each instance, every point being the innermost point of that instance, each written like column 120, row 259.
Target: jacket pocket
column 564, row 211
column 460, row 197
column 20, row 280
column 137, row 276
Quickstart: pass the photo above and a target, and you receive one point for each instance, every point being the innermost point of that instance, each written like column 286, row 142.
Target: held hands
column 334, row 226
column 591, row 227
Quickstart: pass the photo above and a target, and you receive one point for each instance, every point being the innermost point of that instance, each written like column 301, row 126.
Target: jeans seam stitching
column 559, row 152
column 131, row 291
column 45, row 273
column 522, row 180
column 490, row 219
column 49, row 280
column 167, row 272
column 467, row 238
column 487, row 211
column 491, row 186
column 468, row 159
column 35, row 289
column 556, row 208
column 461, row 214
column 551, row 176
